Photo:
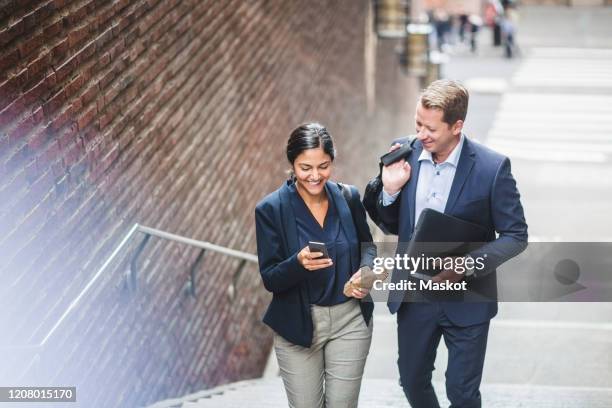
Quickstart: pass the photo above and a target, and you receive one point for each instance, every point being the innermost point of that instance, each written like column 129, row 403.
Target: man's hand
column 395, row 175
column 312, row 261
column 448, row 275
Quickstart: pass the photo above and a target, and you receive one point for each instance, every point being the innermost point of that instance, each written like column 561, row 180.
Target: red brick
column 90, row 94
column 37, row 68
column 24, row 127
column 59, row 51
column 111, row 94
column 31, row 20
column 51, row 80
column 87, row 118
column 86, row 53
column 72, row 154
column 77, row 36
column 8, row 61
column 104, row 60
column 29, row 46
column 38, row 115
column 104, row 38
column 100, row 103
column 62, row 118
column 52, row 30
column 68, row 136
column 107, row 78
column 9, row 89
column 117, row 49
column 77, row 104
column 76, row 16
column 8, row 9
column 105, row 15
column 74, row 86
column 36, row 93
column 66, row 68
column 11, row 112
column 54, row 103
column 9, row 33
column 38, row 139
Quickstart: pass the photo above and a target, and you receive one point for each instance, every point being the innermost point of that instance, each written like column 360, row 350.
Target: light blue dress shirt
column 434, row 183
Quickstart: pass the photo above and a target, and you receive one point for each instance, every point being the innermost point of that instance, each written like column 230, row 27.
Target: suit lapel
column 344, row 212
column 346, row 221
column 415, row 164
column 464, row 167
column 288, row 220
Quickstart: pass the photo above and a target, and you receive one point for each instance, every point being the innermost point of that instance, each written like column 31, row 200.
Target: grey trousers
column 328, row 374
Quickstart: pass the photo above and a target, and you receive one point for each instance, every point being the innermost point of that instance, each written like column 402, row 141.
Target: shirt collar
column 452, row 159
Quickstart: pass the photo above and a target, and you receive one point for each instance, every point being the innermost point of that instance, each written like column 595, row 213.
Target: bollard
column 416, row 49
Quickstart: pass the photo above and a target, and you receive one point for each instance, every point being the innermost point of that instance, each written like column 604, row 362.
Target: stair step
column 387, row 393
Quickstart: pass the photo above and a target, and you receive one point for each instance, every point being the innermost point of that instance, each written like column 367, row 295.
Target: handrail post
column 131, row 275
column 231, row 290
column 190, row 285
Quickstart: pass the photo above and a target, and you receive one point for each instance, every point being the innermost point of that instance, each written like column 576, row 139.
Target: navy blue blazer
column 483, row 192
column 277, row 247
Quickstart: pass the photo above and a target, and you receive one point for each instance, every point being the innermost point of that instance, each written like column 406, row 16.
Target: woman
column 322, row 336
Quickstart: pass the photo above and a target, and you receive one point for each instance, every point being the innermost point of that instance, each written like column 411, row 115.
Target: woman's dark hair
column 309, row 136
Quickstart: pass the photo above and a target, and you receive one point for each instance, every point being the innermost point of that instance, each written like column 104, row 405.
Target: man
column 452, row 174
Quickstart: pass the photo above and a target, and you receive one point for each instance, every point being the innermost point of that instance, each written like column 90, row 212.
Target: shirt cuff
column 387, row 198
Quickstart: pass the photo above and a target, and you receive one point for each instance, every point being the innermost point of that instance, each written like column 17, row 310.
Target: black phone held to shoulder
column 396, row 155
column 318, row 247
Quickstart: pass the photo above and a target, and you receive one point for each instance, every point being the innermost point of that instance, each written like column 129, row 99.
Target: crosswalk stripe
column 543, row 146
column 551, row 155
column 553, row 67
column 550, row 137
column 551, row 116
column 563, row 126
column 563, row 52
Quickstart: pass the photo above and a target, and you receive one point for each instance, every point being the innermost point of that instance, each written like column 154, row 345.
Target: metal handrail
column 200, row 244
column 148, row 231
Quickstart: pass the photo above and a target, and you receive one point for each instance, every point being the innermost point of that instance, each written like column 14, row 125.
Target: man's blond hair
column 451, row 97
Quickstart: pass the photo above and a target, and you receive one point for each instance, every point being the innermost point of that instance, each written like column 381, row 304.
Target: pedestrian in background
column 475, row 24
column 508, row 26
column 493, row 15
column 443, row 25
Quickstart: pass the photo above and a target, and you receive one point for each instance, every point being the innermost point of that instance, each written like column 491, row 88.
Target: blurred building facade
column 172, row 114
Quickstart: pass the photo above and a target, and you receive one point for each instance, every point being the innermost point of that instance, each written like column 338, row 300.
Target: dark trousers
column 509, row 45
column 420, row 327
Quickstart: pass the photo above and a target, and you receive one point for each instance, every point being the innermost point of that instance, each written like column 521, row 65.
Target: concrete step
column 387, row 393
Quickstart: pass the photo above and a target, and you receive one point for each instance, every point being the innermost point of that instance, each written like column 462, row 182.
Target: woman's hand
column 353, row 287
column 312, row 261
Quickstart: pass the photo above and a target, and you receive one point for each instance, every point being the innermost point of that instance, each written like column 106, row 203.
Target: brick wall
column 172, row 114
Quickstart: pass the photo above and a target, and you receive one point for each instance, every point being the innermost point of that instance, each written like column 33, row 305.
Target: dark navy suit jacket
column 277, row 247
column 483, row 192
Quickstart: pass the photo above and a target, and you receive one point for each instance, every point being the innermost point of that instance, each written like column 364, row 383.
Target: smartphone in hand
column 318, row 247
